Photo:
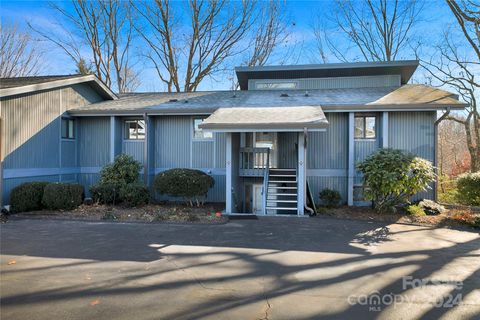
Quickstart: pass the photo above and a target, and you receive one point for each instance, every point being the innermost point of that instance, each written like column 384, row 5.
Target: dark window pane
column 64, row 128
column 359, row 127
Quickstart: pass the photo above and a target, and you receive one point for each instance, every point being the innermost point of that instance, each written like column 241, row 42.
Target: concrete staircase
column 282, row 192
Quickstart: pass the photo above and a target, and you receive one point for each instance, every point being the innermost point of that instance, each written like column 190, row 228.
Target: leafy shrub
column 191, row 185
column 27, row 196
column 415, row 210
column 114, row 177
column 105, row 193
column 330, row 198
column 393, row 176
column 122, row 171
column 134, row 194
column 468, row 185
column 62, row 196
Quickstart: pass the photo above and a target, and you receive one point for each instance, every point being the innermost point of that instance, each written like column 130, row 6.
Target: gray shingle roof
column 328, row 99
column 25, row 81
column 273, row 118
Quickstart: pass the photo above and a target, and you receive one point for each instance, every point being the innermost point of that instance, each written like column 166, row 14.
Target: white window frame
column 364, row 122
column 70, row 124
column 126, row 128
column 195, row 129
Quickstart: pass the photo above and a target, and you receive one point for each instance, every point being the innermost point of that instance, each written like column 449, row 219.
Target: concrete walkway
column 271, row 268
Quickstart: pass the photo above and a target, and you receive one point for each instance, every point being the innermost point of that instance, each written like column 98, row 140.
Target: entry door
column 257, row 199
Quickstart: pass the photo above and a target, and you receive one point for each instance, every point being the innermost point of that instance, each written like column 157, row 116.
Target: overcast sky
column 301, row 42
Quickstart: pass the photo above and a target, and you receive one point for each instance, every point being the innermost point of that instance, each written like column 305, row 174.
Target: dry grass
column 451, row 217
column 148, row 213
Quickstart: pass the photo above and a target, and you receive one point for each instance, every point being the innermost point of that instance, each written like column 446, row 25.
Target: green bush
column 415, row 210
column 105, row 193
column 191, row 185
column 468, row 185
column 330, row 198
column 116, row 176
column 134, row 194
column 62, row 196
column 27, row 196
column 122, row 171
column 393, row 176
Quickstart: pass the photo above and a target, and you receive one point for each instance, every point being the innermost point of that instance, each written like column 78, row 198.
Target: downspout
column 146, row 170
column 311, row 212
column 436, row 123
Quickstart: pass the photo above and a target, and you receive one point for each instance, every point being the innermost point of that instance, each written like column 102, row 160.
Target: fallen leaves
column 94, row 302
column 12, row 262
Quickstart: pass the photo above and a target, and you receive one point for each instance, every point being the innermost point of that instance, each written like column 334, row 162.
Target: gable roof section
column 21, row 85
column 266, row 119
column 408, row 97
column 404, row 68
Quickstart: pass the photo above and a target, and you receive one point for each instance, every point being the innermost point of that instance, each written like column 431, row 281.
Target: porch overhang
column 266, row 119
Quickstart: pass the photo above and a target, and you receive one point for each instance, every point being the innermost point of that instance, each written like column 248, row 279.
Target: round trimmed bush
column 134, row 194
column 122, row 171
column 27, row 196
column 105, row 193
column 468, row 185
column 192, row 185
column 62, row 196
column 330, row 198
column 393, row 176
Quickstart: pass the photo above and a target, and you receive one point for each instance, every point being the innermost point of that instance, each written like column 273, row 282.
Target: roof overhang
column 404, row 68
column 98, row 85
column 270, row 119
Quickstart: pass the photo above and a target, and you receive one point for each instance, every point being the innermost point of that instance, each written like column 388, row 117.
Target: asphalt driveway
column 271, row 268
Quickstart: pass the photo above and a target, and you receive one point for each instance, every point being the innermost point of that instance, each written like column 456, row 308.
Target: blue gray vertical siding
column 203, row 154
column 414, row 132
column 220, row 145
column 134, row 148
column 172, row 145
column 32, row 124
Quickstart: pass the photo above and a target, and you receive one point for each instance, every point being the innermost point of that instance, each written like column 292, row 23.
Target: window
column 198, row 133
column 68, row 128
column 134, row 129
column 365, row 127
column 275, row 85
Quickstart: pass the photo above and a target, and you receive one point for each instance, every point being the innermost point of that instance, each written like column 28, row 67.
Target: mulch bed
column 149, row 213
column 454, row 217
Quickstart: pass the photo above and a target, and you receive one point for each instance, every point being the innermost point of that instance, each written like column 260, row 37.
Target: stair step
column 284, row 175
column 284, row 201
column 282, row 194
column 282, row 181
column 280, row 208
column 289, row 188
column 277, row 169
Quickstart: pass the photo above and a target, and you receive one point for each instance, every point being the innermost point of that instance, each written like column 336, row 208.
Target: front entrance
column 254, row 198
column 263, row 140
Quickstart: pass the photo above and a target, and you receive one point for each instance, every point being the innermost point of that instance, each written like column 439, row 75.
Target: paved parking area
column 271, row 268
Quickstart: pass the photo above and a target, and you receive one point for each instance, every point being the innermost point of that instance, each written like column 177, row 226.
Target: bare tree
column 270, row 30
column 215, row 28
column 19, row 57
column 375, row 30
column 457, row 67
column 105, row 27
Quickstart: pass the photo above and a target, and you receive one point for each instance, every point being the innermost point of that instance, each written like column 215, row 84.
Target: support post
column 112, row 138
column 351, row 157
column 301, row 180
column 1, row 161
column 228, row 169
column 385, row 129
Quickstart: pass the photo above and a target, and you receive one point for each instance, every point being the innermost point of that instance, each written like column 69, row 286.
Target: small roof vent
column 284, row 95
column 306, row 93
column 173, row 100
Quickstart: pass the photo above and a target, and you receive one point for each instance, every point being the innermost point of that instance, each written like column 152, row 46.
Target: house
column 289, row 132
